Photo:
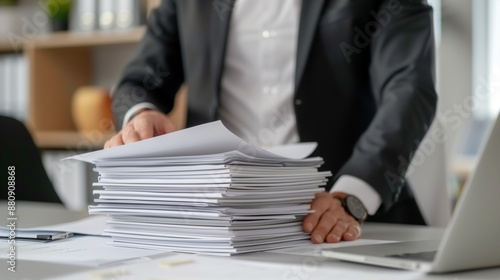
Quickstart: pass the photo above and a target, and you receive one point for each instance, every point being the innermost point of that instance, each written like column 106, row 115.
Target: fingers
column 320, row 204
column 130, row 134
column 347, row 230
column 168, row 126
column 334, row 234
column 335, row 226
column 324, row 227
column 145, row 125
column 330, row 222
column 353, row 232
column 134, row 131
column 143, row 129
column 114, row 141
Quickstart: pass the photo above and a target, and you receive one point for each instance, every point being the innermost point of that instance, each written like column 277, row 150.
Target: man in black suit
column 357, row 77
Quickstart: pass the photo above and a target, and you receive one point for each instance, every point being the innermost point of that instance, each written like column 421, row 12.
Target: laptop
column 471, row 240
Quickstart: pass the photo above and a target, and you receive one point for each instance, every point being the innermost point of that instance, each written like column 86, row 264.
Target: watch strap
column 343, row 200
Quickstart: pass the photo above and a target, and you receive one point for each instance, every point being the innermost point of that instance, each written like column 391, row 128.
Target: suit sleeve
column 402, row 79
column 155, row 73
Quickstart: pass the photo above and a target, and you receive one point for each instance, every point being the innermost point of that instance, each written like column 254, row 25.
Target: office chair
column 18, row 149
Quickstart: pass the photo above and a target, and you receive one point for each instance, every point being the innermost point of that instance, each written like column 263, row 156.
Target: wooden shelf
column 87, row 39
column 60, row 63
column 79, row 39
column 6, row 47
column 71, row 140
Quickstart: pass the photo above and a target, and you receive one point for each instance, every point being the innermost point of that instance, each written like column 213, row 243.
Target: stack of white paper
column 204, row 190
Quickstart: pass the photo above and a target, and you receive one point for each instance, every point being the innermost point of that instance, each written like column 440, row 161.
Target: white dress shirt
column 257, row 85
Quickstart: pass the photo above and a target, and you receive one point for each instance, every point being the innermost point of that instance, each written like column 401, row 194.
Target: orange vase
column 91, row 109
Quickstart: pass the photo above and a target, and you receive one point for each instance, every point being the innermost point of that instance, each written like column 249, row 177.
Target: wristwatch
column 354, row 207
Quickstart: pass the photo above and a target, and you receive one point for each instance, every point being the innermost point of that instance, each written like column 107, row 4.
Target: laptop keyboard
column 421, row 256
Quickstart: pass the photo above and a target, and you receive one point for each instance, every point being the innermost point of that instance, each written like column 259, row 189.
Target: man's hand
column 330, row 222
column 146, row 124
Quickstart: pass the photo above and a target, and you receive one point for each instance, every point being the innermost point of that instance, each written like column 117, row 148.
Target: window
column 486, row 58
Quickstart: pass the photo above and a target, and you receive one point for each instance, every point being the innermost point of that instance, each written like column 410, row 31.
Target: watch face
column 355, row 207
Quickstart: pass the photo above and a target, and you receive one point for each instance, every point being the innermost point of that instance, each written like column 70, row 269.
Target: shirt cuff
column 136, row 108
column 354, row 186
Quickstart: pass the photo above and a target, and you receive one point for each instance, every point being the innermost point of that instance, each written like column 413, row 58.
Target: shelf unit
column 59, row 64
column 86, row 39
column 70, row 140
column 6, row 47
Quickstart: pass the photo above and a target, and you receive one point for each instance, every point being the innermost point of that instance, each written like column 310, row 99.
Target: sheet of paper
column 241, row 195
column 93, row 225
column 159, row 213
column 179, row 220
column 206, row 249
column 189, row 168
column 217, row 139
column 263, row 210
column 296, row 151
column 195, row 267
column 236, row 175
column 205, row 233
column 89, row 251
column 229, row 157
column 223, row 228
column 221, row 201
column 175, row 186
column 314, row 250
column 89, row 226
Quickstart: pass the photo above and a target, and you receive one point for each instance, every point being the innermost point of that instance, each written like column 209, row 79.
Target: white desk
column 297, row 267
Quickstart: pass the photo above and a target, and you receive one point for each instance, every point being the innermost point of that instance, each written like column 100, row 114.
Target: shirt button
column 270, row 90
column 268, row 33
column 298, row 101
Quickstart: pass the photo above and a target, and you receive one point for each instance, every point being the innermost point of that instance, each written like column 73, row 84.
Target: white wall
column 24, row 18
column 454, row 66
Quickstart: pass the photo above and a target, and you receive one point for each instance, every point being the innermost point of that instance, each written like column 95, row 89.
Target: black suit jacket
column 364, row 83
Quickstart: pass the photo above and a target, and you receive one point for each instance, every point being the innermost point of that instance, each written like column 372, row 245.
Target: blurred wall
column 454, row 66
column 23, row 15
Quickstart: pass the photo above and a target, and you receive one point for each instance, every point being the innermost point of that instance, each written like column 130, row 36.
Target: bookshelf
column 70, row 140
column 5, row 47
column 59, row 64
column 87, row 39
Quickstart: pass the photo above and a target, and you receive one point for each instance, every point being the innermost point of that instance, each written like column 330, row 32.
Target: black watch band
column 354, row 207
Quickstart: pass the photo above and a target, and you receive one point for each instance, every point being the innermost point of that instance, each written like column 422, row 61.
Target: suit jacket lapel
column 219, row 26
column 309, row 16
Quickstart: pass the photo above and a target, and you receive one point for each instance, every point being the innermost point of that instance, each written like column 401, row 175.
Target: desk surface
column 36, row 214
